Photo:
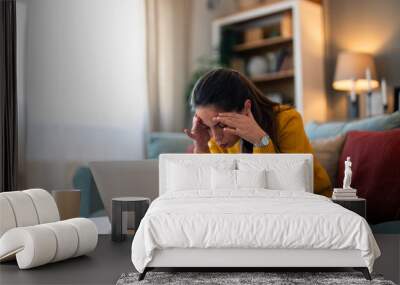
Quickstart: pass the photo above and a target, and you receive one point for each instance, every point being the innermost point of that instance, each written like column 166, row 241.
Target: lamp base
column 353, row 109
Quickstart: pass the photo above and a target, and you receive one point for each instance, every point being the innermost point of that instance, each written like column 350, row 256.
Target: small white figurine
column 347, row 174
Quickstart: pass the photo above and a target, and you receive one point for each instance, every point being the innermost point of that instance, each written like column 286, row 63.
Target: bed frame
column 248, row 259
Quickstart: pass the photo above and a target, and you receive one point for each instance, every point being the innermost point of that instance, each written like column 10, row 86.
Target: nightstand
column 357, row 205
column 125, row 204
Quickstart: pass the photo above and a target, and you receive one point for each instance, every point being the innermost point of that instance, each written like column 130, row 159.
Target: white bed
column 201, row 220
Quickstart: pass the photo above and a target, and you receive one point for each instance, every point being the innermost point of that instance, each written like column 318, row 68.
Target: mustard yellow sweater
column 292, row 139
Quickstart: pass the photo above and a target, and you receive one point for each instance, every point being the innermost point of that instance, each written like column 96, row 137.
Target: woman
column 233, row 116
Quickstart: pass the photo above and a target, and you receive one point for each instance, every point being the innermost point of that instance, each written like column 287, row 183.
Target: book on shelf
column 341, row 190
column 344, row 198
column 345, row 194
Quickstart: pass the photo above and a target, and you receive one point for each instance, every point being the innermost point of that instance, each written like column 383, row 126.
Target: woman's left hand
column 242, row 125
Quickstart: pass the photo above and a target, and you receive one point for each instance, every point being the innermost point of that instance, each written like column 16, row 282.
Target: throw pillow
column 251, row 178
column 223, row 179
column 327, row 151
column 375, row 160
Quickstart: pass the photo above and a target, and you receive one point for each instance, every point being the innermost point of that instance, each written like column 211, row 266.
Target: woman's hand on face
column 242, row 125
column 199, row 133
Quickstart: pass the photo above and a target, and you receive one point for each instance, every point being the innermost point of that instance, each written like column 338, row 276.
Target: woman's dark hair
column 228, row 90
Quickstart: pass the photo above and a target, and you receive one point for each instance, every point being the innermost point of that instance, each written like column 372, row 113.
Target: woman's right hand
column 199, row 134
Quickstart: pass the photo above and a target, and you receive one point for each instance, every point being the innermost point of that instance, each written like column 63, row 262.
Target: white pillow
column 237, row 179
column 188, row 175
column 183, row 177
column 251, row 178
column 291, row 179
column 223, row 179
column 280, row 174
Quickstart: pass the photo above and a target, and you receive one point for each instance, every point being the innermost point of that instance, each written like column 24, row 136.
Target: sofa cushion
column 165, row 142
column 316, row 130
column 378, row 123
column 375, row 160
column 327, row 152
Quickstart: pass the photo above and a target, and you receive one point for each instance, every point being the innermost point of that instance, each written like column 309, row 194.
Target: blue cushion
column 164, row 142
column 379, row 123
column 392, row 227
column 320, row 131
column 90, row 197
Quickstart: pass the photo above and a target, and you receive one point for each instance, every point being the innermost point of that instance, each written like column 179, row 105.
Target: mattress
column 251, row 219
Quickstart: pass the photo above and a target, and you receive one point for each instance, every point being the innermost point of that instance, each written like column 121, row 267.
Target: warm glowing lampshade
column 352, row 66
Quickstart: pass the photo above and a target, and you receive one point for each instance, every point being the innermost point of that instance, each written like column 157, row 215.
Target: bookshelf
column 280, row 47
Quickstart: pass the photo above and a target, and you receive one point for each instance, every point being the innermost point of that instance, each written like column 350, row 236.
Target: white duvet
column 253, row 218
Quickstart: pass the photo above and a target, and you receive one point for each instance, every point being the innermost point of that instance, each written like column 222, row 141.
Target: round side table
column 139, row 205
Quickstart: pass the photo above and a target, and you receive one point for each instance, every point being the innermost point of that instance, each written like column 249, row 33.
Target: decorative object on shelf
column 347, row 192
column 68, row 202
column 347, row 174
column 275, row 97
column 351, row 76
column 257, row 65
column 281, row 55
column 272, row 59
column 253, row 35
column 287, row 62
column 384, row 95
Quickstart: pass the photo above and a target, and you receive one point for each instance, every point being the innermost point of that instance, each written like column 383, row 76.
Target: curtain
column 168, row 24
column 8, row 97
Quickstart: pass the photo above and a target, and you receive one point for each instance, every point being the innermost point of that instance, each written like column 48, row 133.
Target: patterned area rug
column 229, row 278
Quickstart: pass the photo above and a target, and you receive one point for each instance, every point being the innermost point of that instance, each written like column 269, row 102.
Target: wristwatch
column 264, row 141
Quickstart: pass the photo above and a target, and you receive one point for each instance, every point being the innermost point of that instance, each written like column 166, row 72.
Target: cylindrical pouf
column 68, row 202
column 34, row 246
column 67, row 240
column 23, row 208
column 45, row 205
column 87, row 234
column 7, row 218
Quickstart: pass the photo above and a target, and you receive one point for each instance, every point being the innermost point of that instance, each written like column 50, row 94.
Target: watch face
column 264, row 141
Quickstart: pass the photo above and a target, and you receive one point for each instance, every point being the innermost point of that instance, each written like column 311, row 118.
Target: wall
column 202, row 17
column 84, row 85
column 366, row 26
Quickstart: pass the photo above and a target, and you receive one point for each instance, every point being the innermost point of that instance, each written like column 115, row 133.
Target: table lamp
column 355, row 73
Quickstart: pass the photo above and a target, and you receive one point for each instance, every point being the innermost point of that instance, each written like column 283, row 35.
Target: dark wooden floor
column 102, row 266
